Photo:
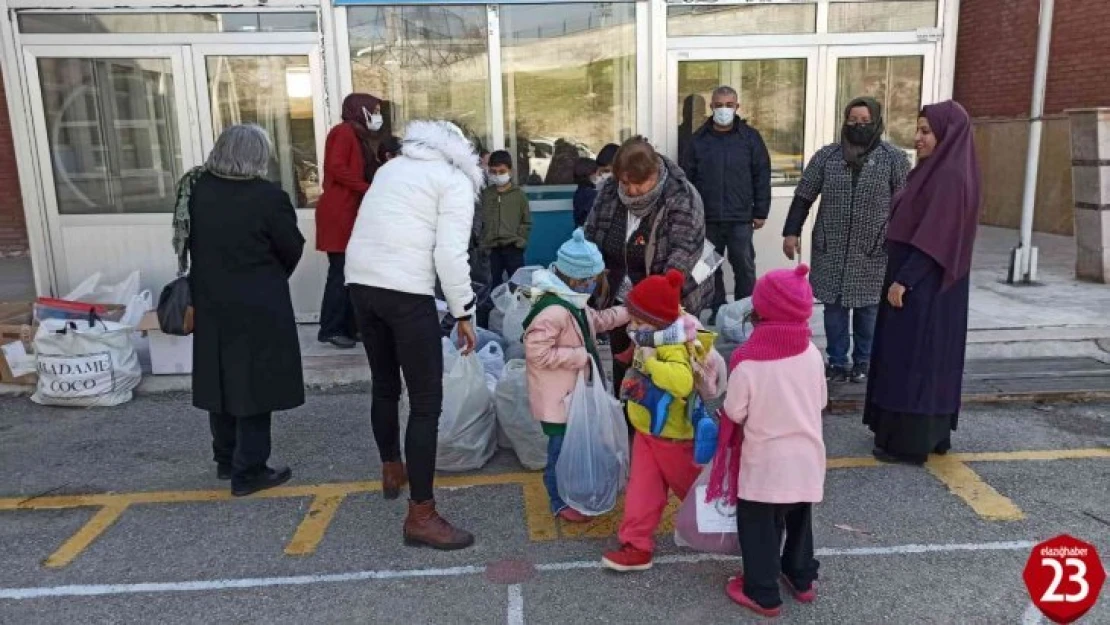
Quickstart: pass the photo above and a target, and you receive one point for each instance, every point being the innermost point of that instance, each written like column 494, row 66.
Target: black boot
column 267, row 478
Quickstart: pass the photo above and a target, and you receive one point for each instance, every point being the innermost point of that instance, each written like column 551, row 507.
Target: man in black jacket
column 728, row 163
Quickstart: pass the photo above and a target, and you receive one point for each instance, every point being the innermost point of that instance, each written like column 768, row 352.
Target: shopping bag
column 493, row 364
column 513, row 323
column 514, row 417
column 733, row 321
column 85, row 363
column 93, row 290
column 593, row 464
column 706, row 526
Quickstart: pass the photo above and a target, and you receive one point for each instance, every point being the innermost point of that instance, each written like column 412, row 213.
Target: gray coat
column 848, row 249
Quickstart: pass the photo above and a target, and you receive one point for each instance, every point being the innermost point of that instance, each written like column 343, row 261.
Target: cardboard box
column 17, row 333
column 169, row 355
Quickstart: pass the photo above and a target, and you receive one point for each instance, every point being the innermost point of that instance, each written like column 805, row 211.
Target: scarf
column 642, row 205
column 356, row 108
column 181, row 218
column 854, row 153
column 769, row 341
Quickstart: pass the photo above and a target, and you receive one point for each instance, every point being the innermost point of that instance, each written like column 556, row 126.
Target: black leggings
column 761, row 527
column 401, row 334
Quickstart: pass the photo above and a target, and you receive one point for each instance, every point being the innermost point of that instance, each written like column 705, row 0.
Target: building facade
column 110, row 103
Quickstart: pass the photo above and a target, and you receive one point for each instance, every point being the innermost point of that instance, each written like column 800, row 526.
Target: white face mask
column 601, row 178
column 500, row 180
column 374, row 121
column 724, row 116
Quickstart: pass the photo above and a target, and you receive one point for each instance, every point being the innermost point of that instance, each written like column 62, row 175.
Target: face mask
column 724, row 116
column 500, row 180
column 860, row 134
column 601, row 178
column 586, row 288
column 373, row 120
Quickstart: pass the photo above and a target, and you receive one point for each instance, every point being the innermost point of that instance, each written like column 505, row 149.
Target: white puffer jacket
column 415, row 220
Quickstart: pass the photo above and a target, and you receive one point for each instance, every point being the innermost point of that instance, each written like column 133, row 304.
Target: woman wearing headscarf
column 856, row 179
column 913, row 395
column 350, row 161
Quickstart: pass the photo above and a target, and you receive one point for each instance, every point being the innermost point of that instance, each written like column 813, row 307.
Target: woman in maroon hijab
column 350, row 160
column 917, row 365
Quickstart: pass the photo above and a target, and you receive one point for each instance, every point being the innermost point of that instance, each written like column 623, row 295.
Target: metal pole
column 1023, row 266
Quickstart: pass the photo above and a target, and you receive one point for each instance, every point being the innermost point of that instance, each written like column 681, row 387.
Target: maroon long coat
column 344, row 185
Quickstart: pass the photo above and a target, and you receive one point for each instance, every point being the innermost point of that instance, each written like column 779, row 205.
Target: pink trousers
column 658, row 465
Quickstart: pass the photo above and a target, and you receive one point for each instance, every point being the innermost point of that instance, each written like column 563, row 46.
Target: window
column 895, row 81
column 101, row 23
column 730, row 20
column 112, row 129
column 426, row 61
column 881, row 15
column 772, row 99
column 569, row 82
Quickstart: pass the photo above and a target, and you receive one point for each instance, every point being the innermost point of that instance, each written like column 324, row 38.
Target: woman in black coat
column 244, row 243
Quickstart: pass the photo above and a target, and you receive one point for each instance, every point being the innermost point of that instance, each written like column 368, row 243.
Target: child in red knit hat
column 776, row 393
column 662, row 379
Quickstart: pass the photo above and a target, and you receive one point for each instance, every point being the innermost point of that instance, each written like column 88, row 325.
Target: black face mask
column 860, row 134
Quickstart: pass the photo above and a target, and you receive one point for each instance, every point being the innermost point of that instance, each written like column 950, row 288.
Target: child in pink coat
column 776, row 393
column 560, row 339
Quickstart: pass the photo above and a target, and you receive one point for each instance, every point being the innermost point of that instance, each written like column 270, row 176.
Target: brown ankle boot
column 424, row 527
column 393, row 479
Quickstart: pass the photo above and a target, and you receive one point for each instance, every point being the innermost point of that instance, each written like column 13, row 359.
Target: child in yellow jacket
column 658, row 386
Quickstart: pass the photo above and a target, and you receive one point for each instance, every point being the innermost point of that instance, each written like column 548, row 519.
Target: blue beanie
column 579, row 259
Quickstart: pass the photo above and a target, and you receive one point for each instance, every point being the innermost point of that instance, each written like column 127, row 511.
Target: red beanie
column 657, row 299
column 784, row 295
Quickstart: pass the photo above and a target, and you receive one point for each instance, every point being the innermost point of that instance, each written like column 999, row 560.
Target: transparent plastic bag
column 709, row 262
column 514, row 417
column 513, row 325
column 92, row 291
column 467, row 437
column 733, row 323
column 493, row 363
column 709, row 527
column 522, row 278
column 593, row 464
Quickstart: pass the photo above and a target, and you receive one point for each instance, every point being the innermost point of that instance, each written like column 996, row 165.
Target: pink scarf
column 770, row 340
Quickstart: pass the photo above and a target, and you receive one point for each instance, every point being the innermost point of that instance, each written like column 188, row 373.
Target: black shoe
column 859, row 373
column 342, row 342
column 886, row 457
column 835, row 375
column 268, row 478
column 223, row 471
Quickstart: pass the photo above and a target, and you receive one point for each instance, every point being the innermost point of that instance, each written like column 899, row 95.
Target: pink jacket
column 556, row 351
column 779, row 404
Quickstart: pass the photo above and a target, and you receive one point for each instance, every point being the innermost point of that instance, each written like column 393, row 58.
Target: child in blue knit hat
column 560, row 340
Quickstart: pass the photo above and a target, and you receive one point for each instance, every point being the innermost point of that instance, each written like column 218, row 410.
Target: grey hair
column 241, row 151
column 725, row 90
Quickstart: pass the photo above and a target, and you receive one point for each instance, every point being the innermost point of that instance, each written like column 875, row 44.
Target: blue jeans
column 554, row 446
column 839, row 339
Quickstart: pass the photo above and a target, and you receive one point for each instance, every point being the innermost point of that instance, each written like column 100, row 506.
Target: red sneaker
column 570, row 515
column 806, row 596
column 627, row 559
column 735, row 591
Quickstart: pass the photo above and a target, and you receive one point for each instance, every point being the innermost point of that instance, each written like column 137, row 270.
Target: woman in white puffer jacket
column 414, row 224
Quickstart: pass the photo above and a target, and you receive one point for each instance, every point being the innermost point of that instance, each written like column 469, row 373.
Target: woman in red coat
column 350, row 160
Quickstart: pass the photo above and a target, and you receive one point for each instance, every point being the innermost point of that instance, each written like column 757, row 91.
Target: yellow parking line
column 967, row 485
column 1034, row 454
column 93, row 528
column 315, row 523
column 537, row 514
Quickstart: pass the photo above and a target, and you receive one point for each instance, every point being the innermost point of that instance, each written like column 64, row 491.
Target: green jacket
column 505, row 217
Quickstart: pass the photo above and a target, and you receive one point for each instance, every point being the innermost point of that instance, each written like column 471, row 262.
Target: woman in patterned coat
column 856, row 179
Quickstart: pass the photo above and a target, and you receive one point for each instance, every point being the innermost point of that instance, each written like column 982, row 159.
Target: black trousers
column 401, row 334
column 242, row 443
column 336, row 313
column 503, row 263
column 761, row 526
column 733, row 240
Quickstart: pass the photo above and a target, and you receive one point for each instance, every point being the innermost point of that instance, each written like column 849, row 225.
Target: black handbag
column 175, row 308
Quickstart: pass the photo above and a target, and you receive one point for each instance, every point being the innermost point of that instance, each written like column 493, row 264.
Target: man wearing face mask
column 856, row 179
column 727, row 161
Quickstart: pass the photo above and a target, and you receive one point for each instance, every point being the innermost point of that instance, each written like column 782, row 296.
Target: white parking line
column 88, row 590
column 516, row 605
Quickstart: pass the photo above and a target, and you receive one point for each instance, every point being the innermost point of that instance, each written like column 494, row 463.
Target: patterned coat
column 848, row 249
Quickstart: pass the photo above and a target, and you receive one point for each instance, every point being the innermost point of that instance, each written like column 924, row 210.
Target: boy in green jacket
column 506, row 219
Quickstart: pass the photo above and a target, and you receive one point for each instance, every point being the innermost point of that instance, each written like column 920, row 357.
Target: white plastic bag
column 138, row 306
column 593, row 464
column 514, row 417
column 493, row 363
column 522, row 278
column 485, row 337
column 706, row 526
column 83, row 364
column 732, row 321
column 92, row 291
column 709, row 262
column 513, row 325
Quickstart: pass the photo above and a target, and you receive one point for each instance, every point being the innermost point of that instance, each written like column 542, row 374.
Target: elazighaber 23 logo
column 1064, row 576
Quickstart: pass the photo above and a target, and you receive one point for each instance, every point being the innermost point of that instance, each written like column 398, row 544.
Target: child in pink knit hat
column 776, row 393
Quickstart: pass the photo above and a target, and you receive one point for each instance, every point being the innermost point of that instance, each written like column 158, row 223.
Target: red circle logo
column 1064, row 576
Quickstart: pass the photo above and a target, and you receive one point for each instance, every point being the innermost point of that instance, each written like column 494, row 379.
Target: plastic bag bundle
column 733, row 323
column 593, row 464
column 485, row 337
column 514, row 417
column 706, row 526
column 513, row 325
column 493, row 363
column 85, row 363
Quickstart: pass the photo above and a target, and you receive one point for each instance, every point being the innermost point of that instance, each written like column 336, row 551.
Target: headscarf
column 854, row 152
column 938, row 210
column 356, row 108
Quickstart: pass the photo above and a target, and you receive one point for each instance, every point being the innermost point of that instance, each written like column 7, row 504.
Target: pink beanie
column 784, row 296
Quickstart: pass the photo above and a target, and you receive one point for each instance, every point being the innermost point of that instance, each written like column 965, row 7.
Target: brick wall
column 997, row 49
column 13, row 229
